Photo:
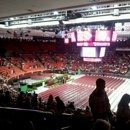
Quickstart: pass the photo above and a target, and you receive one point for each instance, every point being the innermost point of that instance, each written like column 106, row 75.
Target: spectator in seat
column 60, row 105
column 99, row 102
column 68, row 103
column 35, row 102
column 123, row 112
column 40, row 104
column 51, row 104
column 28, row 101
column 7, row 99
column 71, row 105
column 88, row 112
column 20, row 100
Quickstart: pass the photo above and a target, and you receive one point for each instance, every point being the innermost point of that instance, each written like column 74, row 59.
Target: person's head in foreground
column 101, row 125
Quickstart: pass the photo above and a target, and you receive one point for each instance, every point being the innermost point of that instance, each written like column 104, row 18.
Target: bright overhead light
column 94, row 7
column 116, row 5
column 55, row 12
column 29, row 21
column 11, row 18
column 102, row 27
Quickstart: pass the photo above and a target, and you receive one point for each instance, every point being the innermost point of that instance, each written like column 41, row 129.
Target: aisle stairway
column 16, row 66
column 36, row 56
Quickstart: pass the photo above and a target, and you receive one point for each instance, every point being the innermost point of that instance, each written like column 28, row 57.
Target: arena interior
column 61, row 48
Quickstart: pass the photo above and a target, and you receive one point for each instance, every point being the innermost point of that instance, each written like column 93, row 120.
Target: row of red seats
column 80, row 89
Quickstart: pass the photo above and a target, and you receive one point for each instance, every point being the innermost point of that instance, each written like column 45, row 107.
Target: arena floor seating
column 80, row 89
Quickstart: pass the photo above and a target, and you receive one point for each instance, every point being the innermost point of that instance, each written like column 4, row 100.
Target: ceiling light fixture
column 94, row 7
column 11, row 18
column 55, row 13
column 29, row 21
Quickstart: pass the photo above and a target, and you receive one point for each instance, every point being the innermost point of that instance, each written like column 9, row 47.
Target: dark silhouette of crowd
column 99, row 109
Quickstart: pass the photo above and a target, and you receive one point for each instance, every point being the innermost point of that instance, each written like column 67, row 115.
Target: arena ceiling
column 11, row 8
column 40, row 16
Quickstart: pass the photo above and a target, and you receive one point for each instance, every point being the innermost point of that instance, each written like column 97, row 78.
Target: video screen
column 114, row 36
column 102, row 36
column 93, row 44
column 102, row 51
column 84, row 36
column 92, row 59
column 93, row 52
column 89, row 52
column 73, row 37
